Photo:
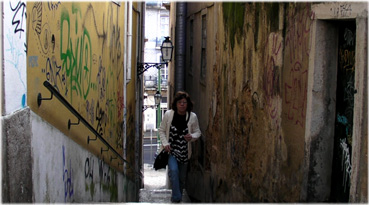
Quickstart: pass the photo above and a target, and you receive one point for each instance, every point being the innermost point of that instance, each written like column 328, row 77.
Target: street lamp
column 166, row 50
column 157, row 97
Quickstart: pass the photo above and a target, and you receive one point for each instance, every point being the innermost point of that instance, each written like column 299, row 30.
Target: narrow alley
column 277, row 101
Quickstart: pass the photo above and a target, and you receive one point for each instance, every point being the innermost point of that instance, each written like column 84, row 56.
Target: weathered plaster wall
column 15, row 56
column 252, row 103
column 78, row 48
column 17, row 185
column 63, row 172
column 133, row 145
column 15, row 122
column 43, row 161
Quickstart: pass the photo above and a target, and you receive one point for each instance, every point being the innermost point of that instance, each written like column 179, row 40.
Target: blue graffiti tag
column 343, row 120
column 67, row 179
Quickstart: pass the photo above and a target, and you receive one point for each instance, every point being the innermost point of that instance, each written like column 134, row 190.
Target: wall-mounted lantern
column 166, row 49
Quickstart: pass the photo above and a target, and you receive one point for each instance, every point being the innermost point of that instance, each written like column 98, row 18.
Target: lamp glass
column 166, row 50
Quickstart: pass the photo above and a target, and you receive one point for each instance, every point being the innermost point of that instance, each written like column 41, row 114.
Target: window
column 164, row 99
column 203, row 47
column 191, row 47
column 164, row 29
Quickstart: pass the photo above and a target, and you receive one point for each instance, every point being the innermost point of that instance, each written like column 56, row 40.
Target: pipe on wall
column 129, row 42
column 180, row 46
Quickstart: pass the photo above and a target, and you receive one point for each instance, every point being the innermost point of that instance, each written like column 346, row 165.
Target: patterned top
column 178, row 144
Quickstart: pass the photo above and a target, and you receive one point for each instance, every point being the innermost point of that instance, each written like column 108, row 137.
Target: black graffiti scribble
column 20, row 9
column 89, row 169
column 36, row 17
column 53, row 6
column 100, row 118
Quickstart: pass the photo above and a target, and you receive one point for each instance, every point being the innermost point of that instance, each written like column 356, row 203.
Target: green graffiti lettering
column 77, row 64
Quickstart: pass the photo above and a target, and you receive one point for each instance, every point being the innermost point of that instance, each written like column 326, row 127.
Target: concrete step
column 160, row 196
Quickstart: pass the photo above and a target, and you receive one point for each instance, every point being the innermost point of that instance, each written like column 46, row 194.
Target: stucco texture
column 78, row 48
column 252, row 103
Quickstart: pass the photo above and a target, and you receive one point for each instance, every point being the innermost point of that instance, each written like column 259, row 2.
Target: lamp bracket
column 142, row 67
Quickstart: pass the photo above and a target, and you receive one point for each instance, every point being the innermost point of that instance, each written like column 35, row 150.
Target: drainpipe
column 127, row 68
column 125, row 86
column 180, row 46
column 139, row 102
column 129, row 41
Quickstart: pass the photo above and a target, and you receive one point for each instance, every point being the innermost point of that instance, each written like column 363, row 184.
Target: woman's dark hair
column 179, row 96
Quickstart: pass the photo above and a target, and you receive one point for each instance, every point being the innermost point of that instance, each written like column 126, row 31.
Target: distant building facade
column 156, row 28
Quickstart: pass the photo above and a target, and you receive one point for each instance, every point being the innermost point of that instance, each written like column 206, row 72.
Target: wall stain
column 233, row 18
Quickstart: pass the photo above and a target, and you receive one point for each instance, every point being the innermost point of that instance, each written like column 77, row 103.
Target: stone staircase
column 155, row 196
column 156, row 189
column 160, row 196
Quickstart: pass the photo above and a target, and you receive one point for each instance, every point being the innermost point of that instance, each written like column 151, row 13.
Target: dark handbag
column 161, row 160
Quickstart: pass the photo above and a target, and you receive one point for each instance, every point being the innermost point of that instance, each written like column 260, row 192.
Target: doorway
column 325, row 179
column 341, row 168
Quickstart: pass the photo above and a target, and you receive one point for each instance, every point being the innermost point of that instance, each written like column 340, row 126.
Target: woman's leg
column 182, row 167
column 174, row 179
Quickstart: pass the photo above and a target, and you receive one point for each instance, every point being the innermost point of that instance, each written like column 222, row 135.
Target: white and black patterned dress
column 178, row 144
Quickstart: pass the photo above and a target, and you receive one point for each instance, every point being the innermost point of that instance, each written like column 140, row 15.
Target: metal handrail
column 80, row 118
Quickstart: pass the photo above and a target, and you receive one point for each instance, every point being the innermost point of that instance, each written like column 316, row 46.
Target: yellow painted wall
column 78, row 48
column 131, row 95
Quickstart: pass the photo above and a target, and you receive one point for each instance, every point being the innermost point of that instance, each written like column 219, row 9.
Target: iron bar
column 142, row 67
column 80, row 118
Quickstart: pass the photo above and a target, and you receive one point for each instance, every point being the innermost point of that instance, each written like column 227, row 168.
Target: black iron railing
column 81, row 119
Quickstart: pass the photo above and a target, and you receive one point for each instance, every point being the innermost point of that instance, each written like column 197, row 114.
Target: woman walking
column 179, row 127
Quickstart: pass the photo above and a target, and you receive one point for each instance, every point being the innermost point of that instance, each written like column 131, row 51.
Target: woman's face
column 182, row 106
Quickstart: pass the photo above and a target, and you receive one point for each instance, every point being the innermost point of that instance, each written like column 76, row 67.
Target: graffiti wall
column 297, row 47
column 77, row 47
column 15, row 55
column 257, row 91
column 65, row 173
